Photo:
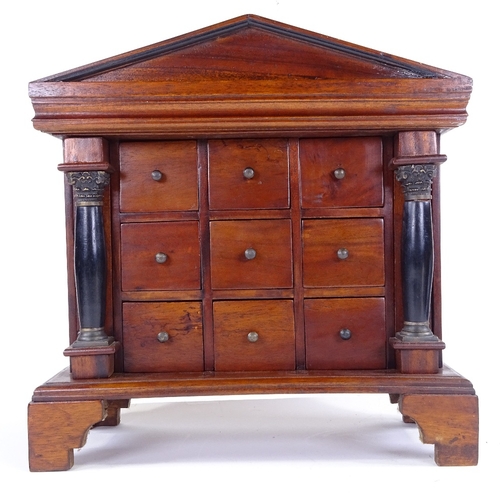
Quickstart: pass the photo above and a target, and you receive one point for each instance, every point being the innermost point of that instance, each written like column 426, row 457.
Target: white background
column 291, row 447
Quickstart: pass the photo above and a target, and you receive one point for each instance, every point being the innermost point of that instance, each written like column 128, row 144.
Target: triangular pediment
column 249, row 76
column 249, row 48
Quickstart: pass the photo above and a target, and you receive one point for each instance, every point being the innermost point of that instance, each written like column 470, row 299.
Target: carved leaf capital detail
column 416, row 181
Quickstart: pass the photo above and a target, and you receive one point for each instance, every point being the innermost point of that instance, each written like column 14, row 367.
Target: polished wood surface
column 144, row 351
column 269, row 239
column 360, row 159
column 177, row 185
column 365, row 347
column 362, row 239
column 271, row 323
column 56, row 428
column 267, row 184
column 62, row 387
column 273, row 82
column 456, row 442
column 253, row 226
column 177, row 241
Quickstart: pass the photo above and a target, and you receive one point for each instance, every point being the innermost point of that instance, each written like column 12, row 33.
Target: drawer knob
column 345, row 334
column 156, row 175
column 253, row 337
column 250, row 253
column 161, row 257
column 342, row 253
column 248, row 173
column 339, row 173
column 163, row 337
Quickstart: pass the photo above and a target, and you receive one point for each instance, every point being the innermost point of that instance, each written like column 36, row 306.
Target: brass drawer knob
column 253, row 337
column 339, row 173
column 248, row 173
column 250, row 253
column 345, row 334
column 342, row 253
column 161, row 257
column 156, row 175
column 163, row 337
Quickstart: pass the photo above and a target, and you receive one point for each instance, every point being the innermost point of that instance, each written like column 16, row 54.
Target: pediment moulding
column 279, row 78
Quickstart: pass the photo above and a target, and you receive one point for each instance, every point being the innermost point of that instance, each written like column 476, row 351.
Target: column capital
column 416, row 160
column 88, row 187
column 416, row 180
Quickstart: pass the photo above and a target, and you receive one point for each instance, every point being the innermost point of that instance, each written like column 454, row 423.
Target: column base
column 417, row 357
column 419, row 331
column 92, row 362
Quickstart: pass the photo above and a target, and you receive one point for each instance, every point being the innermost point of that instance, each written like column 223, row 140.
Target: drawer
column 158, row 176
column 251, row 254
column 254, row 335
column 160, row 256
column 162, row 336
column 345, row 333
column 343, row 252
column 338, row 173
column 248, row 173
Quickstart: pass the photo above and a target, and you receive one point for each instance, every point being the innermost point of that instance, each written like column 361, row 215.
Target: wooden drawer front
column 326, row 263
column 326, row 319
column 175, row 167
column 248, row 174
column 321, row 161
column 142, row 247
column 269, row 239
column 254, row 335
column 162, row 336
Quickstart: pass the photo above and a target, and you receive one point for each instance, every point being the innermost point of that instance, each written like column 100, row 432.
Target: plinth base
column 63, row 410
column 417, row 357
column 92, row 362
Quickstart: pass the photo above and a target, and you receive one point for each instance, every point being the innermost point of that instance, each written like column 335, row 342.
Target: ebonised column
column 417, row 251
column 90, row 256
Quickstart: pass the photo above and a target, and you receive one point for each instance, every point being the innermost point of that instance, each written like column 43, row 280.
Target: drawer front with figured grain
column 346, row 333
column 341, row 172
column 248, row 173
column 160, row 256
column 162, row 336
column 158, row 176
column 252, row 335
column 343, row 252
column 249, row 254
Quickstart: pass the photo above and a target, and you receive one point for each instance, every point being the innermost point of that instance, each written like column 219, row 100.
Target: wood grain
column 269, row 186
column 362, row 238
column 363, row 317
column 272, row 265
column 294, row 106
column 272, row 320
column 450, row 422
column 361, row 160
column 61, row 387
column 143, row 321
column 55, row 429
column 179, row 241
column 177, row 190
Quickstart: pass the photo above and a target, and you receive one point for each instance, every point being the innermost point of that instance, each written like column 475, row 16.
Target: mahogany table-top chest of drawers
column 252, row 209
